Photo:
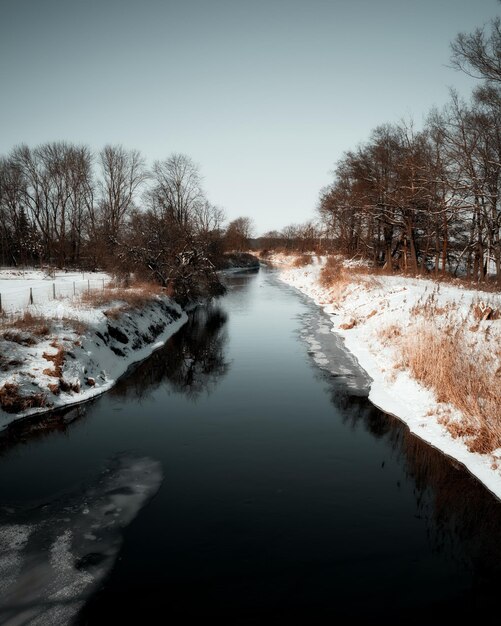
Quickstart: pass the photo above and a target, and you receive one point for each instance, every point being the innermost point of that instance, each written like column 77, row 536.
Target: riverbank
column 64, row 352
column 431, row 349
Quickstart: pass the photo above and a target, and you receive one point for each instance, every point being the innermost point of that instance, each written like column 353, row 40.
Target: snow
column 374, row 303
column 53, row 557
column 98, row 343
column 15, row 285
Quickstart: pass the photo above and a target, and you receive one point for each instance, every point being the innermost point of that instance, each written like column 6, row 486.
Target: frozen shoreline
column 398, row 394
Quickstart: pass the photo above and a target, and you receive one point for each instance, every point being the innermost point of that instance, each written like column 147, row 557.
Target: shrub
column 302, row 260
column 12, row 401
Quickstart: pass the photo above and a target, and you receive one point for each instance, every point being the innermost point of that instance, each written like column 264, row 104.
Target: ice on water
column 329, row 353
column 53, row 556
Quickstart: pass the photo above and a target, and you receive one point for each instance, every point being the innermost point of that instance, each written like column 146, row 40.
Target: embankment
column 65, row 352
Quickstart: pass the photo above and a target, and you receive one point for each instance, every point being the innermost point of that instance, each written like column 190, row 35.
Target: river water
column 240, row 474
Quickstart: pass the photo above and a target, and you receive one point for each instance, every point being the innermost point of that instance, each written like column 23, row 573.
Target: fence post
column 54, row 290
column 1, row 298
column 88, row 285
column 74, row 289
column 0, row 302
column 31, row 295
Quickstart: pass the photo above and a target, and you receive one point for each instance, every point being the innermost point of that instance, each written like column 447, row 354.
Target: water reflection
column 193, row 361
column 456, row 508
column 36, row 427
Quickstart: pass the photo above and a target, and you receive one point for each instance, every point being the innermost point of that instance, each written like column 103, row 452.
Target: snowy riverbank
column 370, row 313
column 67, row 351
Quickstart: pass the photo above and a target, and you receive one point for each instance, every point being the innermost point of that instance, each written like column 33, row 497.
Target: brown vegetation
column 129, row 297
column 333, row 273
column 444, row 362
column 57, row 359
column 351, row 323
column 35, row 325
column 483, row 312
column 302, row 260
column 439, row 353
column 11, row 400
column 459, row 374
column 77, row 326
column 335, row 276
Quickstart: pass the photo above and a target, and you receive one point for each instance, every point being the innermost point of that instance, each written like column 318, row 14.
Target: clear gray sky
column 265, row 95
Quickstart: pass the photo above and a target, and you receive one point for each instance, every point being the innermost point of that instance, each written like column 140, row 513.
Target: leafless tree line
column 429, row 200
column 61, row 205
column 307, row 237
column 58, row 204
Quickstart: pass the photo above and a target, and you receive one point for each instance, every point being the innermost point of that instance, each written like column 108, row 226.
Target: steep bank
column 385, row 322
column 64, row 353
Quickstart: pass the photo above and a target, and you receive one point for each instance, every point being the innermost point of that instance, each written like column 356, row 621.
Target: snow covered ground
column 68, row 351
column 15, row 286
column 361, row 311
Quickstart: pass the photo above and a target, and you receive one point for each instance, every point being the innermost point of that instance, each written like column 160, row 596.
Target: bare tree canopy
column 123, row 172
column 478, row 54
column 238, row 233
column 177, row 191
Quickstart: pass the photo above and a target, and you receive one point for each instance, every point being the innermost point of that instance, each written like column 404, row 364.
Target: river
column 240, row 474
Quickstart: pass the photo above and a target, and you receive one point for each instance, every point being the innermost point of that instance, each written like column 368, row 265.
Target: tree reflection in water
column 37, row 427
column 456, row 508
column 192, row 361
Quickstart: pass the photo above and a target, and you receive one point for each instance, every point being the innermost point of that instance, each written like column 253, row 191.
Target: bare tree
column 478, row 54
column 123, row 172
column 207, row 218
column 177, row 193
column 238, row 233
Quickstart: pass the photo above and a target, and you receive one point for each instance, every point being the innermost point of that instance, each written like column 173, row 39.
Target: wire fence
column 19, row 299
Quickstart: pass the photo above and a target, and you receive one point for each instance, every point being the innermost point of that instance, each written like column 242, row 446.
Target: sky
column 264, row 95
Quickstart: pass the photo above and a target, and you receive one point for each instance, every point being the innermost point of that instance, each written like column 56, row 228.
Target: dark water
column 286, row 497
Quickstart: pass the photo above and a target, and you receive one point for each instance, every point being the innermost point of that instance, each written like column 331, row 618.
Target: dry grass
column 333, row 273
column 12, row 401
column 335, row 276
column 461, row 376
column 113, row 313
column 35, row 325
column 132, row 297
column 302, row 261
column 462, row 370
column 490, row 285
column 459, row 367
column 389, row 334
column 429, row 309
column 77, row 326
